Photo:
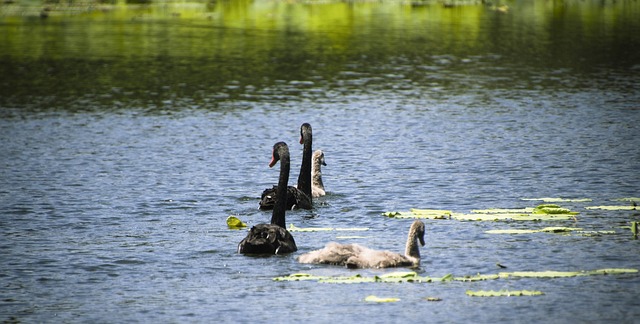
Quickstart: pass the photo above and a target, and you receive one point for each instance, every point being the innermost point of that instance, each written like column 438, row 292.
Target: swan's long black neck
column 278, row 216
column 304, row 179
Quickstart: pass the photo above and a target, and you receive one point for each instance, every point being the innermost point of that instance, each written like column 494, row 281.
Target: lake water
column 130, row 135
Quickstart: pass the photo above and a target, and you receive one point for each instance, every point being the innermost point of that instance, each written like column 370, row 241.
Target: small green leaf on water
column 503, row 293
column 376, row 299
column 634, row 228
column 235, row 223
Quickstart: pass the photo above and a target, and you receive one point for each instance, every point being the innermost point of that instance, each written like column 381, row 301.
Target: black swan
column 317, row 187
column 273, row 238
column 300, row 196
column 357, row 256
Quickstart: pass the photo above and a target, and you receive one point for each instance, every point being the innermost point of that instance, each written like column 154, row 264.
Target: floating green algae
column 503, row 293
column 557, row 230
column 413, row 277
column 552, row 210
column 542, row 212
column 420, row 213
column 612, row 207
column 542, row 230
column 630, row 199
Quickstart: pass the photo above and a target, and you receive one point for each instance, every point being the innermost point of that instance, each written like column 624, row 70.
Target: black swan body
column 358, row 256
column 300, row 196
column 273, row 238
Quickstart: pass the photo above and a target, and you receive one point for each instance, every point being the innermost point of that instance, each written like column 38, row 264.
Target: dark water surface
column 128, row 137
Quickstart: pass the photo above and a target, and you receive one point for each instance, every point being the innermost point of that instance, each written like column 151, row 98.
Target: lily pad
column 376, row 299
column 235, row 223
column 503, row 293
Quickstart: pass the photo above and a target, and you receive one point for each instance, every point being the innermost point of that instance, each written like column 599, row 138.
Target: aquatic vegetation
column 527, row 231
column 503, row 293
column 629, row 199
column 235, row 223
column 413, row 277
column 542, row 212
column 612, row 207
column 420, row 213
column 552, row 209
column 557, row 230
column 293, row 228
column 557, row 200
column 375, row 299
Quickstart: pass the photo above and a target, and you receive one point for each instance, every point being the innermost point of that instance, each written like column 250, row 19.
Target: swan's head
column 279, row 149
column 305, row 132
column 318, row 156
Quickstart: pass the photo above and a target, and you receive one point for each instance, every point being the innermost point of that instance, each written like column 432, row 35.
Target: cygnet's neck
column 412, row 250
column 316, row 175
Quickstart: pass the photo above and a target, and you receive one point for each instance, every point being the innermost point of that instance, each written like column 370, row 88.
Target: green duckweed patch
column 503, row 293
